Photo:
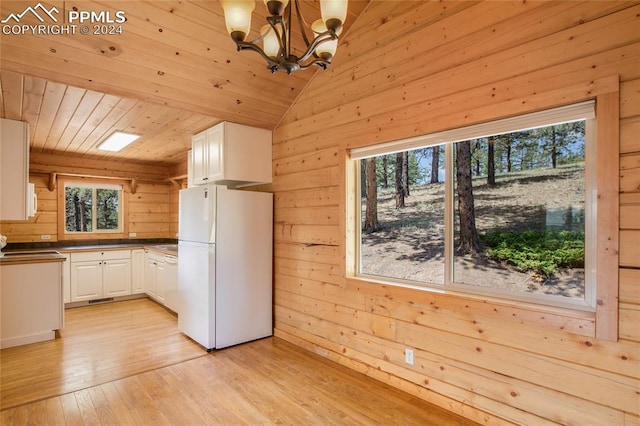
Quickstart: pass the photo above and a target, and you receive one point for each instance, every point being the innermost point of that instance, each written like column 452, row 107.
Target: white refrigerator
column 225, row 265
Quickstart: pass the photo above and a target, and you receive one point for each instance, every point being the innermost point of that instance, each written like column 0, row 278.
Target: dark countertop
column 163, row 248
column 94, row 244
column 166, row 246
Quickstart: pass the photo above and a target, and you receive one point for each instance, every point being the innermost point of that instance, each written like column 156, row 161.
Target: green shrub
column 541, row 251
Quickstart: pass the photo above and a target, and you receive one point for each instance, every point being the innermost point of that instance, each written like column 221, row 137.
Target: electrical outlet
column 408, row 356
column 45, row 237
column 132, row 234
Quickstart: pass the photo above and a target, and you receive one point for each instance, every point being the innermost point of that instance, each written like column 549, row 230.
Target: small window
column 92, row 208
column 502, row 209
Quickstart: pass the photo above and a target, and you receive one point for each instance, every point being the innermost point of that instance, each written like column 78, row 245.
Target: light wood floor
column 125, row 363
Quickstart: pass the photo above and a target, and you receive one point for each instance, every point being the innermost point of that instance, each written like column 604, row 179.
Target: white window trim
column 579, row 111
column 117, row 187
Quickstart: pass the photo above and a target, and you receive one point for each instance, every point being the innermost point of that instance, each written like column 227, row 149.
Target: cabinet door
column 190, row 183
column 116, row 277
column 138, row 266
column 171, row 283
column 215, row 153
column 199, row 158
column 86, row 280
column 247, row 154
column 66, row 278
column 161, row 281
column 14, row 169
column 150, row 276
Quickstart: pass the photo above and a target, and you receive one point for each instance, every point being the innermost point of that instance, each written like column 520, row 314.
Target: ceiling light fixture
column 117, row 141
column 276, row 36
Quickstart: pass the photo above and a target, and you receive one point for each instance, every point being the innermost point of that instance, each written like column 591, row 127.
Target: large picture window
column 505, row 209
column 92, row 208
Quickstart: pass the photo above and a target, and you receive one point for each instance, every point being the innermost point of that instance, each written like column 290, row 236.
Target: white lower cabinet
column 100, row 274
column 110, row 273
column 66, row 278
column 154, row 282
column 86, row 280
column 169, row 278
column 138, row 265
column 30, row 303
column 161, row 278
column 116, row 277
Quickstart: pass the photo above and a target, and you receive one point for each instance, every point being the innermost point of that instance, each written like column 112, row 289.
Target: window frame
column 604, row 320
column 94, row 184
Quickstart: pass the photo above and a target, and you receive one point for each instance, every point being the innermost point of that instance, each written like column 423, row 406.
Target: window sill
column 92, row 236
column 466, row 305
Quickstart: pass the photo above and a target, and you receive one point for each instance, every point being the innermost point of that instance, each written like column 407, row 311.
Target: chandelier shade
column 237, row 16
column 274, row 42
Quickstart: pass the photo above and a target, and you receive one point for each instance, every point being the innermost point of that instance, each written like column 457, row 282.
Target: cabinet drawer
column 156, row 257
column 100, row 255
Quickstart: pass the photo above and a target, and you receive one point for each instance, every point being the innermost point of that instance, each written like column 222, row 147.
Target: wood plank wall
column 151, row 212
column 410, row 68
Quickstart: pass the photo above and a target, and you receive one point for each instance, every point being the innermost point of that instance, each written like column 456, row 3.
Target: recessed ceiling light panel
column 117, row 141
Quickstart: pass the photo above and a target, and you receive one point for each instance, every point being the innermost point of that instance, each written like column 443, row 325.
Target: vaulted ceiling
column 171, row 72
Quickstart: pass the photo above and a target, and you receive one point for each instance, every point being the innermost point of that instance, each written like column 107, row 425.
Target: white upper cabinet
column 16, row 194
column 231, row 154
column 199, row 169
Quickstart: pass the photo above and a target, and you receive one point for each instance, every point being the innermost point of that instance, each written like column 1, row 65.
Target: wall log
column 403, row 72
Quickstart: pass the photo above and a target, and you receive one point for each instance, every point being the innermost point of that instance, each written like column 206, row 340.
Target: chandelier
column 276, row 36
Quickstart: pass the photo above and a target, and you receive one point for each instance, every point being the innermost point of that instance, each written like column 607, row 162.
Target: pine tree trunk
column 435, row 163
column 478, row 166
column 491, row 162
column 399, row 186
column 554, row 148
column 363, row 178
column 469, row 241
column 405, row 173
column 76, row 213
column 385, row 168
column 371, row 212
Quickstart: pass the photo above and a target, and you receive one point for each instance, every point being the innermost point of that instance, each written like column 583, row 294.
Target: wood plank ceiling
column 171, row 73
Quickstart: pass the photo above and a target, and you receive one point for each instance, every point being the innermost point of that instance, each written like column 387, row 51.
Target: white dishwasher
column 171, row 283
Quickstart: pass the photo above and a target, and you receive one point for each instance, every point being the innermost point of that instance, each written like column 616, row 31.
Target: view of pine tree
column 371, row 212
column 507, row 141
column 384, row 171
column 469, row 241
column 107, row 208
column 525, row 150
column 519, row 212
column 363, row 179
column 491, row 161
column 82, row 203
column 489, row 157
column 477, row 157
column 405, row 173
column 78, row 209
column 399, row 183
column 557, row 140
column 435, row 163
